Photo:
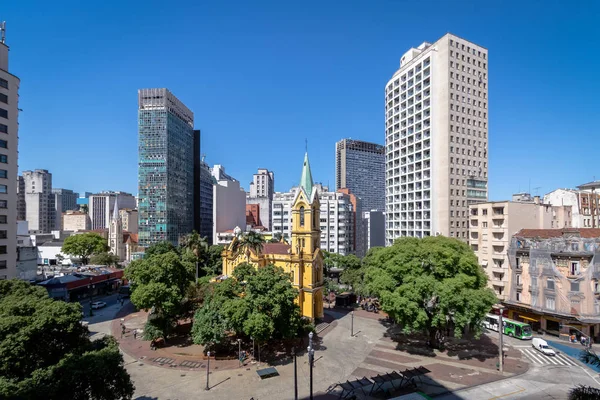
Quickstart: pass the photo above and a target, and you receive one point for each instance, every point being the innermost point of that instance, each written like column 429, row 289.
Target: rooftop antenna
column 529, row 186
column 306, row 145
column 3, row 32
column 537, row 189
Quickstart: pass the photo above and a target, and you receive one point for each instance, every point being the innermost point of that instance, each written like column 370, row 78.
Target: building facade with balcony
column 554, row 282
column 336, row 218
column 585, row 201
column 436, row 116
column 492, row 224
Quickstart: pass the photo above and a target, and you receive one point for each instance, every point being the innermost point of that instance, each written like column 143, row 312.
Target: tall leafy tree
column 263, row 307
column 429, row 285
column 214, row 260
column 104, row 259
column 160, row 248
column 160, row 281
column 84, row 245
column 45, row 351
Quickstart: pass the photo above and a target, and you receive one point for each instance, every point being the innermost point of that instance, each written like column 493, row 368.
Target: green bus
column 520, row 330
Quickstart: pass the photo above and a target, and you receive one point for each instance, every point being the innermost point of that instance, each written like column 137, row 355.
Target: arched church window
column 302, row 216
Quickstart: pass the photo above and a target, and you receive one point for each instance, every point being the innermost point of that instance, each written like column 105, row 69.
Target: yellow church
column 303, row 259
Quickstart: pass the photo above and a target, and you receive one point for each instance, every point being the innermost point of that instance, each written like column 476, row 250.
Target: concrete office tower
column 373, row 230
column 436, row 121
column 360, row 167
column 262, row 188
column 21, row 208
column 101, row 206
column 229, row 202
column 166, row 167
column 68, row 199
column 40, row 210
column 9, row 134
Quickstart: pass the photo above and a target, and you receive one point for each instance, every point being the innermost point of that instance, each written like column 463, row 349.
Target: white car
column 98, row 304
column 542, row 346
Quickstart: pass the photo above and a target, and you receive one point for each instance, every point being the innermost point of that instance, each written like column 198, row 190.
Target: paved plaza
column 180, row 373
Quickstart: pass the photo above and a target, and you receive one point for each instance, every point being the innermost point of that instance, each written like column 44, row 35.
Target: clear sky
column 261, row 77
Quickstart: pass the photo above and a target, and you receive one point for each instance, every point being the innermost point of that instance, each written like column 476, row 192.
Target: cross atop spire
column 306, row 181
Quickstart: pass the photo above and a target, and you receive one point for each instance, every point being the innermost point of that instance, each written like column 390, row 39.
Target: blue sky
column 263, row 76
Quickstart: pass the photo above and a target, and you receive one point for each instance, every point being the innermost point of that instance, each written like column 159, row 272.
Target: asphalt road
column 110, row 300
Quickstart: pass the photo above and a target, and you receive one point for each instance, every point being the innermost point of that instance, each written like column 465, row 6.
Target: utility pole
column 207, row 371
column 295, row 375
column 501, row 345
column 352, row 325
column 311, row 355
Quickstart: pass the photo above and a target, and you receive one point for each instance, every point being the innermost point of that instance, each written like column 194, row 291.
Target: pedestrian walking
column 135, row 334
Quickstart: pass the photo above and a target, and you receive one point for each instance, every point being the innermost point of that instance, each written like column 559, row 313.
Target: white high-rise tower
column 436, row 121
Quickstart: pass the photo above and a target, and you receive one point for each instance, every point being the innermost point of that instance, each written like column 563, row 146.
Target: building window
column 3, row 158
column 3, row 173
column 550, row 303
column 3, row 203
column 550, row 283
column 3, row 113
column 3, row 83
column 518, row 296
column 574, row 270
column 3, row 219
column 3, row 98
column 3, row 264
column 301, row 216
column 3, row 189
column 2, row 249
column 4, row 235
column 3, row 144
column 574, row 286
column 519, row 282
column 3, row 128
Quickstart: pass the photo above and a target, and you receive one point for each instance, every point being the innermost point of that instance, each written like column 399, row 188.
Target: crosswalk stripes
column 541, row 359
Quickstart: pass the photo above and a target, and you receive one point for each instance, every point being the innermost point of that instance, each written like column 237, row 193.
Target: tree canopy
column 256, row 303
column 160, row 248
column 104, row 259
column 84, row 245
column 429, row 285
column 45, row 351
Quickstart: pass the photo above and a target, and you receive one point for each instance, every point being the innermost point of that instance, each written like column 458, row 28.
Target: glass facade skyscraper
column 166, row 167
column 360, row 167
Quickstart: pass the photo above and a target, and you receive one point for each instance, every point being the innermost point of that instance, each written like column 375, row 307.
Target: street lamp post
column 295, row 375
column 207, row 371
column 311, row 355
column 240, row 350
column 352, row 325
column 91, row 287
column 501, row 332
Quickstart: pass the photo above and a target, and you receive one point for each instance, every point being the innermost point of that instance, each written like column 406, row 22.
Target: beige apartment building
column 554, row 283
column 436, row 122
column 492, row 224
column 9, row 138
column 75, row 221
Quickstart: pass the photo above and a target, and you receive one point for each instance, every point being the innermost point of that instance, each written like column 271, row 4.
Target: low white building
column 337, row 218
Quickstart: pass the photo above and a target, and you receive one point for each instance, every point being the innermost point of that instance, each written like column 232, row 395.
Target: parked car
column 542, row 346
column 98, row 304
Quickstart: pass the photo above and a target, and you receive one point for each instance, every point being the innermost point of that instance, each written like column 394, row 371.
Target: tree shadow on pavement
column 465, row 348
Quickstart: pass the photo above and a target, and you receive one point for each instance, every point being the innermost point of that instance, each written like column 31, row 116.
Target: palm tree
column 252, row 241
column 197, row 244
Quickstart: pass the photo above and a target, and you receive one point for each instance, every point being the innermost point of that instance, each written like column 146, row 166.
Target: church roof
column 276, row 248
column 306, row 181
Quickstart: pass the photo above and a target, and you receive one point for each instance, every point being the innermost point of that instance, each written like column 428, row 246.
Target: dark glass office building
column 166, row 167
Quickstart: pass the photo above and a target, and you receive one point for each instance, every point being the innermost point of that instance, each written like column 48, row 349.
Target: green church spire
column 306, row 181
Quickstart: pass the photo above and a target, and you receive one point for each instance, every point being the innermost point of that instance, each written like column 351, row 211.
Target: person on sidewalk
column 135, row 334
